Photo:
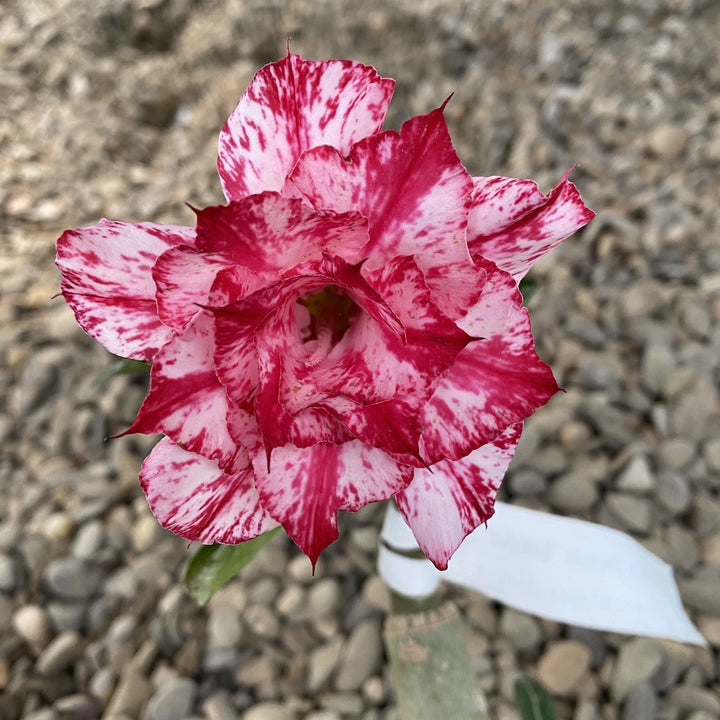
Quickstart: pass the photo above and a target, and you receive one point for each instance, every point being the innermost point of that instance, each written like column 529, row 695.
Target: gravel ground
column 112, row 108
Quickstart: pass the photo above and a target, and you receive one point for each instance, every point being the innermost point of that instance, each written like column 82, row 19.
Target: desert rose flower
column 346, row 329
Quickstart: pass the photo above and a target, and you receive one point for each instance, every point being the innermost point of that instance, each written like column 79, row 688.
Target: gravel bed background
column 112, row 108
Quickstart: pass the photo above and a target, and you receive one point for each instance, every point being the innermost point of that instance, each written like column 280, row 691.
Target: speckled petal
column 513, row 224
column 445, row 503
column 192, row 497
column 107, row 281
column 494, row 382
column 290, row 106
column 306, row 487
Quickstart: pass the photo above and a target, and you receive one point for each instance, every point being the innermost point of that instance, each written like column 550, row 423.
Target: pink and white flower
column 346, row 329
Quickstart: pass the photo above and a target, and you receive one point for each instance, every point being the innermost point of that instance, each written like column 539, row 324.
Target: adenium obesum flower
column 346, row 329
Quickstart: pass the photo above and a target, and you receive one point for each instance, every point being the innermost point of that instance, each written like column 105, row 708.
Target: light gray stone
column 361, row 657
column 268, row 711
column 563, row 666
column 71, row 579
column 323, row 662
column 172, row 700
column 636, row 476
column 641, row 703
column 633, row 513
column 573, row 493
column 60, row 654
column 31, row 623
column 640, row 660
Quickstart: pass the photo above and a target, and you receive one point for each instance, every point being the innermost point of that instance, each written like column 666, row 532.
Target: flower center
column 331, row 310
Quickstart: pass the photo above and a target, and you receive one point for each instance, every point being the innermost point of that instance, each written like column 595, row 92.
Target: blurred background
column 111, row 108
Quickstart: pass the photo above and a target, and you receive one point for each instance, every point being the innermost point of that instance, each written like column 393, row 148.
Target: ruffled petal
column 290, row 106
column 495, row 381
column 415, row 193
column 192, row 497
column 268, row 233
column 306, row 487
column 513, row 224
column 107, row 281
column 186, row 401
column 445, row 503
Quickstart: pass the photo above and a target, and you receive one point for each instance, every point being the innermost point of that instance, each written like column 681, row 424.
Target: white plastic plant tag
column 558, row 568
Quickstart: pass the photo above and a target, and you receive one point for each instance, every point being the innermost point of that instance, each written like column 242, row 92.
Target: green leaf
column 213, row 565
column 533, row 701
column 528, row 288
column 124, row 366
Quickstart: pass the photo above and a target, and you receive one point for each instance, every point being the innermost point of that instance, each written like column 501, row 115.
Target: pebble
column 641, row 703
column 690, row 698
column 60, row 654
column 563, row 666
column 521, row 630
column 8, row 574
column 673, row 492
column 219, row 706
column 224, row 627
column 636, row 476
column 634, row 513
column 323, row 662
column 361, row 657
column 667, row 141
column 31, row 623
column 640, row 660
column 702, row 592
column 172, row 700
column 268, row 711
column 71, row 579
column 323, row 597
column 572, row 493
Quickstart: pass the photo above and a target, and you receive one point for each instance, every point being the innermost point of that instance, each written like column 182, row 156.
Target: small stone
column 376, row 592
column 362, row 656
column 70, row 578
column 347, row 704
column 102, row 684
column 60, row 654
column 323, row 662
column 711, row 549
column 57, row 526
column 131, row 695
column 8, row 574
column 526, row 482
column 77, row 705
column 676, row 452
column 711, row 454
column 691, row 698
column 30, row 622
column 224, row 627
column 573, row 493
column 639, row 660
column 290, row 600
column 673, row 492
column 88, row 540
column 657, row 362
column 324, row 598
column 702, row 592
column 219, row 706
column 67, row 616
column 633, row 513
column 256, row 672
column 521, row 630
column 268, row 711
column 262, row 621
column 667, row 141
column 174, row 699
column 641, row 703
column 563, row 666
column 636, row 477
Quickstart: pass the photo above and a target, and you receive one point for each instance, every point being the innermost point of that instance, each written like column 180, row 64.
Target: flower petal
column 415, row 193
column 305, row 488
column 513, row 224
column 192, row 497
column 186, row 401
column 107, row 281
column 290, row 106
column 268, row 233
column 495, row 381
column 445, row 503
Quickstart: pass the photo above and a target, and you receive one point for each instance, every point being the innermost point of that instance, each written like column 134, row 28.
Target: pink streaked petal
column 268, row 233
column 513, row 224
column 192, row 497
column 107, row 281
column 186, row 401
column 184, row 278
column 290, row 106
column 444, row 504
column 306, row 487
column 495, row 381
column 415, row 193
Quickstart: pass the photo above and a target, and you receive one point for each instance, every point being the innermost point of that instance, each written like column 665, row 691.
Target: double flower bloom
column 348, row 328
